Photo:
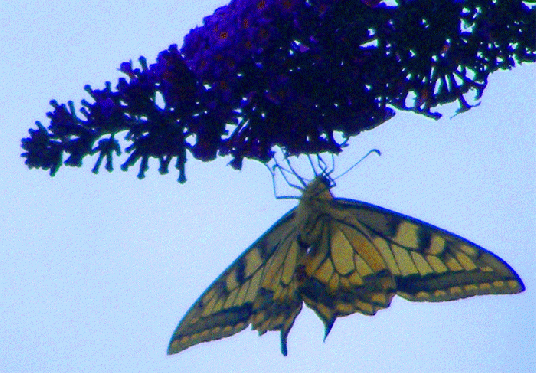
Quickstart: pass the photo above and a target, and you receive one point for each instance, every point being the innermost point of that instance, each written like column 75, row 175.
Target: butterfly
column 339, row 256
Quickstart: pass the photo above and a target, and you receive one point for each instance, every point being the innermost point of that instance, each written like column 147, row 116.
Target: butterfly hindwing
column 344, row 275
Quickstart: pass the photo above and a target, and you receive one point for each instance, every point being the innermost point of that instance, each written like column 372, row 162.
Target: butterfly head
column 319, row 188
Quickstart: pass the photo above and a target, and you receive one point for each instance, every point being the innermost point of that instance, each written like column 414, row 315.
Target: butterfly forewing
column 431, row 264
column 340, row 257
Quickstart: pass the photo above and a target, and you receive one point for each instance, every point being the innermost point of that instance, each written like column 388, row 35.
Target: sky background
column 97, row 270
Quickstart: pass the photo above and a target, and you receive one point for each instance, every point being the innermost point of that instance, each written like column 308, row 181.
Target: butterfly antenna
column 358, row 162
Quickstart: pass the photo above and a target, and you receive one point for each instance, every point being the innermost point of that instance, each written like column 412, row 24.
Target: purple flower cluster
column 261, row 60
column 234, row 33
column 293, row 74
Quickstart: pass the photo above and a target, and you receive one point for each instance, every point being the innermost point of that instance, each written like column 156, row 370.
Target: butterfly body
column 339, row 257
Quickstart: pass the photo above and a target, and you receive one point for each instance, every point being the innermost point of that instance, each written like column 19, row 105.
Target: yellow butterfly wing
column 429, row 263
column 257, row 289
column 340, row 257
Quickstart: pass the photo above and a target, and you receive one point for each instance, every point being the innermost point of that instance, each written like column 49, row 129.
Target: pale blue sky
column 96, row 271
